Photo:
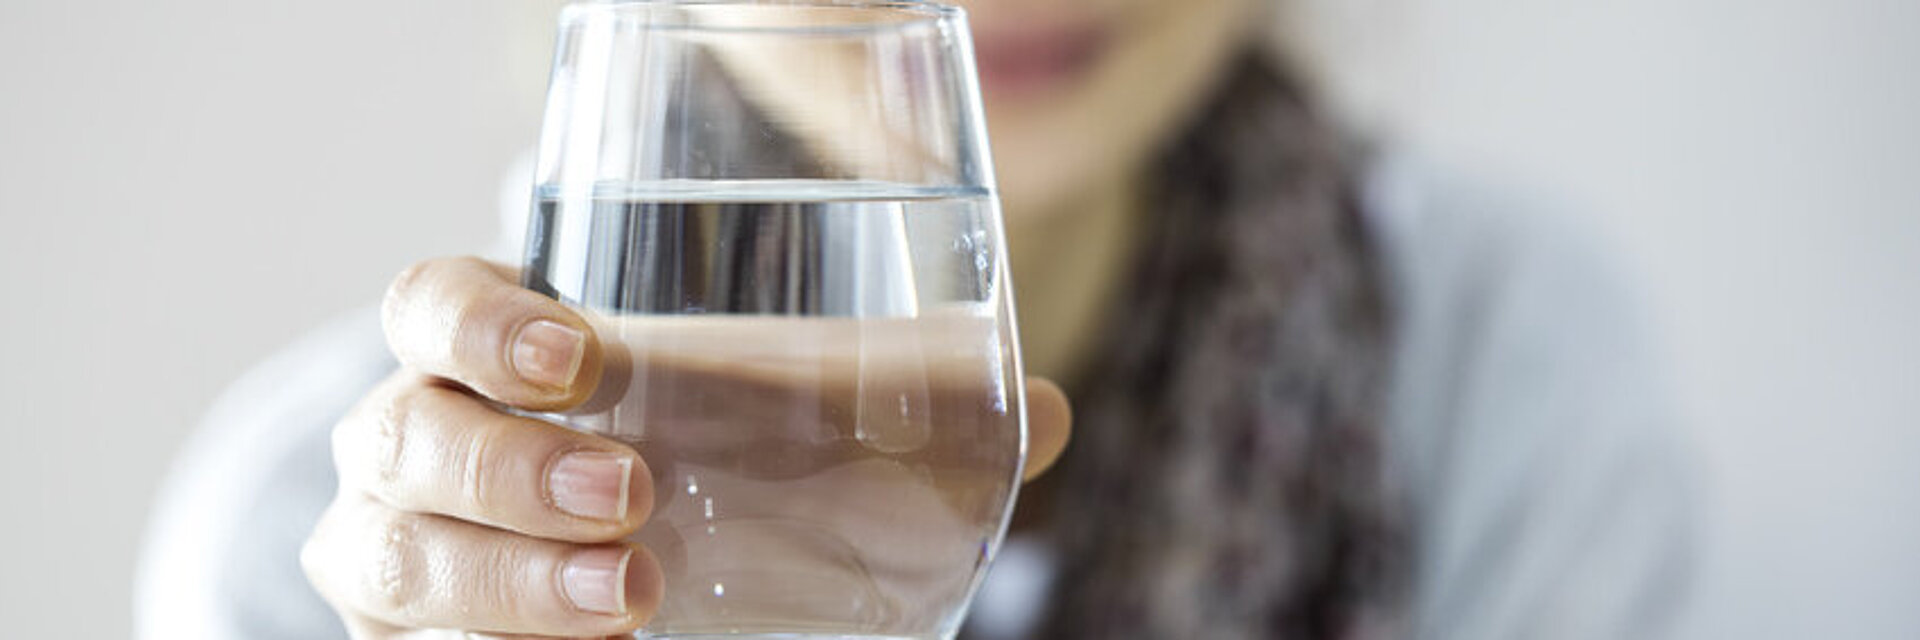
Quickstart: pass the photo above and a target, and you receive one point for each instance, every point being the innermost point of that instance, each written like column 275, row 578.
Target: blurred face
column 1079, row 92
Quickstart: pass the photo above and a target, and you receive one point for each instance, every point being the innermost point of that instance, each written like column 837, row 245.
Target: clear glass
column 782, row 219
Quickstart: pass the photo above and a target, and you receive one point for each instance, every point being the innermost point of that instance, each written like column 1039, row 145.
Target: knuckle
column 388, row 433
column 393, row 580
column 474, row 465
column 374, row 445
column 429, row 308
column 407, row 283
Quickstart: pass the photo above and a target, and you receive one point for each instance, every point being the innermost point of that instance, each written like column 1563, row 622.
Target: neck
column 1066, row 264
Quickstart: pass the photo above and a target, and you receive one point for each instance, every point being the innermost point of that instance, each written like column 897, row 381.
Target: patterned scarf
column 1225, row 475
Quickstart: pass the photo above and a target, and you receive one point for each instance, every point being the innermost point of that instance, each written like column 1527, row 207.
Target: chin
column 1045, row 157
column 1030, row 192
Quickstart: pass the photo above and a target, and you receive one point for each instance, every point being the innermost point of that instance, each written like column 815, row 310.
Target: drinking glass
column 781, row 219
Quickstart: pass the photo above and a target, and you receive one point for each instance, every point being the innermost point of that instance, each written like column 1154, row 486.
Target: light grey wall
column 186, row 185
column 189, row 184
column 1759, row 160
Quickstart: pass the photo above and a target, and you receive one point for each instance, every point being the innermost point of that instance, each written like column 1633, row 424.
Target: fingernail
column 548, row 353
column 592, row 484
column 595, row 580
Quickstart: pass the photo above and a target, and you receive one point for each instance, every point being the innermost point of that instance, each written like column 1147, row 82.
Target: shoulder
column 1509, row 301
column 1531, row 420
column 1444, row 231
column 220, row 557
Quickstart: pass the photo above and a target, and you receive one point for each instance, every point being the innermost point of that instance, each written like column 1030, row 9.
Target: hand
column 455, row 515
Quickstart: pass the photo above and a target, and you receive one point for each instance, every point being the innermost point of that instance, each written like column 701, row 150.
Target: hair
column 1226, row 480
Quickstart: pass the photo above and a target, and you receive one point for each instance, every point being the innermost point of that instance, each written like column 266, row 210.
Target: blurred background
column 191, row 184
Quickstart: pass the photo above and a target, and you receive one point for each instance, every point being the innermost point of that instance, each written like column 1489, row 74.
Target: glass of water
column 781, row 217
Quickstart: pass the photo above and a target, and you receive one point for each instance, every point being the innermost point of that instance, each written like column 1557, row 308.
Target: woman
column 1322, row 394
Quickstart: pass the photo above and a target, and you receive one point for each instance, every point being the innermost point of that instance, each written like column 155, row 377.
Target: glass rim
column 915, row 12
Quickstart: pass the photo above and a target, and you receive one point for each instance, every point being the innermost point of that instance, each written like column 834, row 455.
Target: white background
column 188, row 184
column 1760, row 162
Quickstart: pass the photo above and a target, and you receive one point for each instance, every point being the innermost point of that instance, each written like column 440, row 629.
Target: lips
column 1019, row 61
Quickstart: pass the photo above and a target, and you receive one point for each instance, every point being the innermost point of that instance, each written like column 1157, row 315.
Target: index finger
column 467, row 320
